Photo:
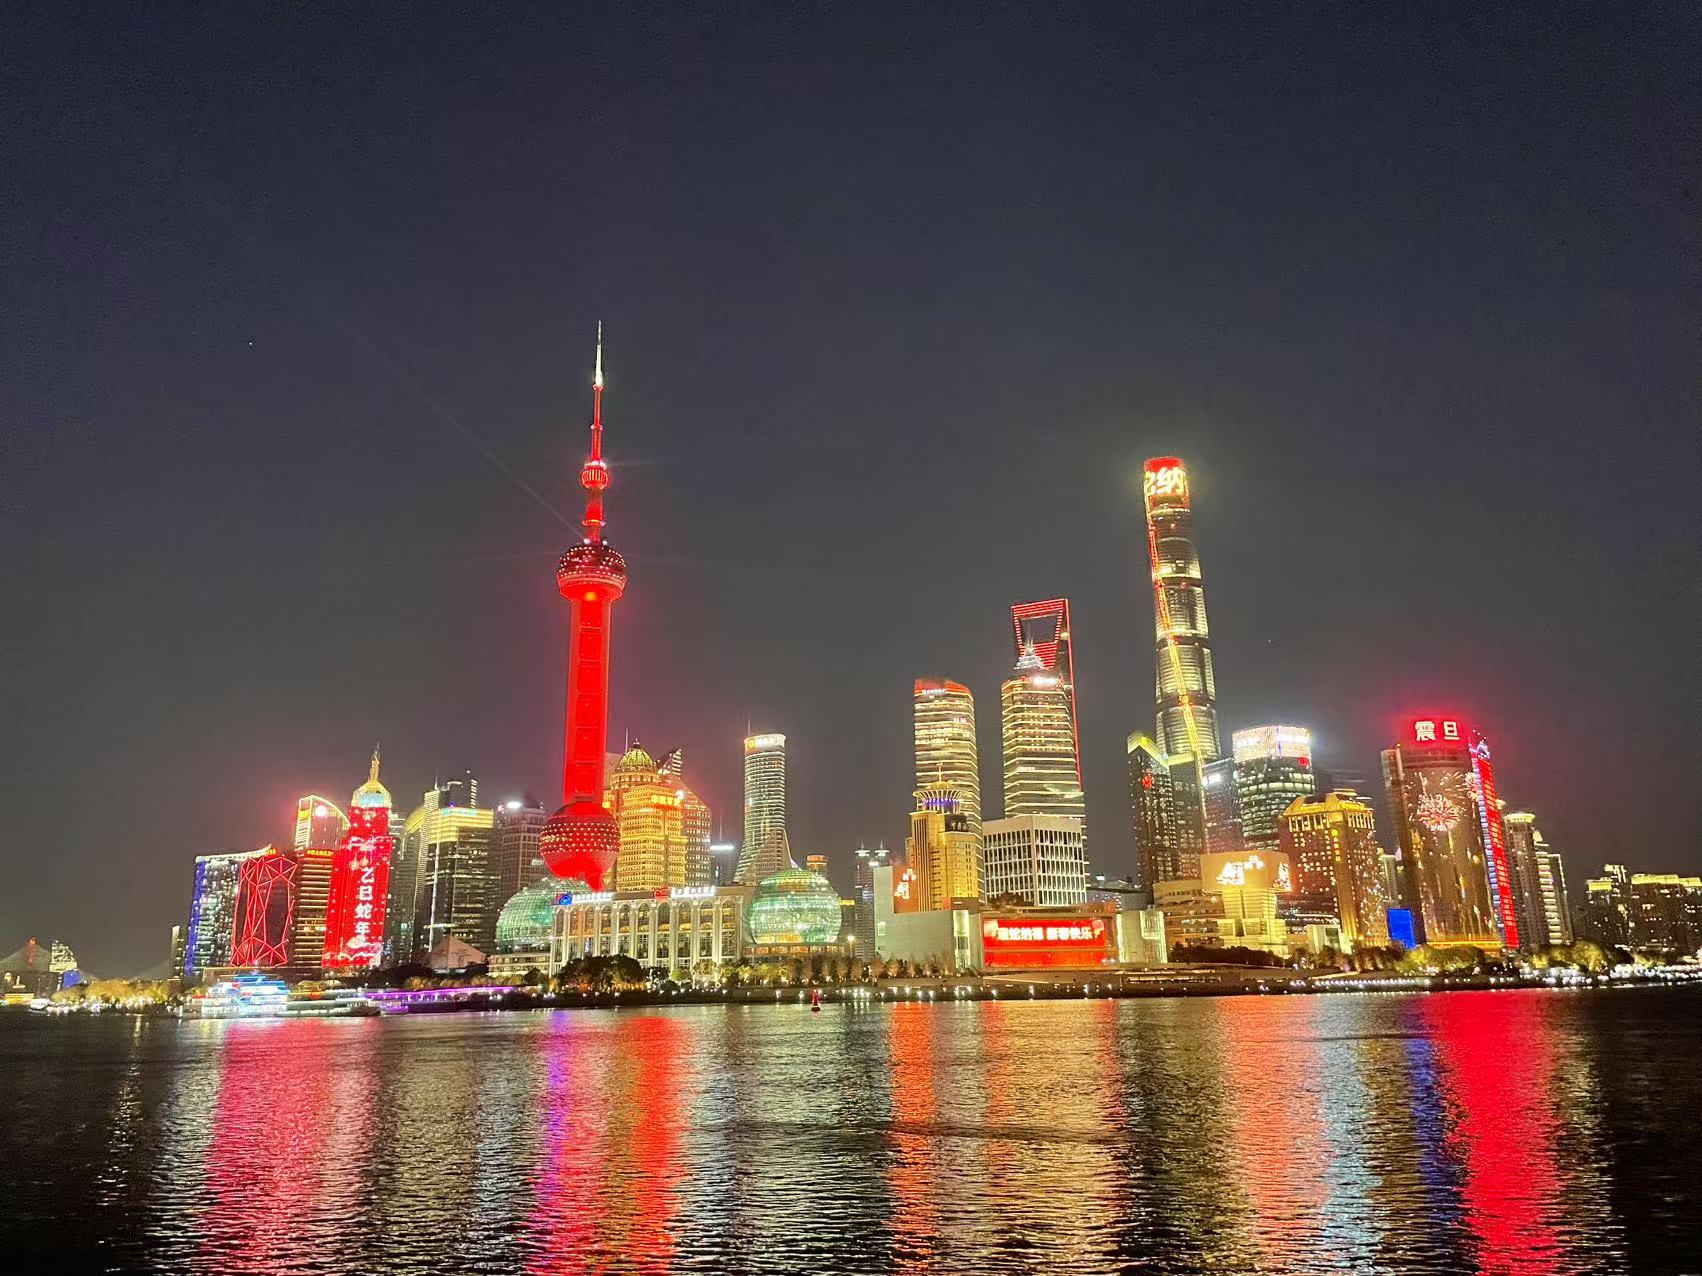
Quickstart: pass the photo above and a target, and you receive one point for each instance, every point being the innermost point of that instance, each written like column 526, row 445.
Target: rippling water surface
column 1499, row 1131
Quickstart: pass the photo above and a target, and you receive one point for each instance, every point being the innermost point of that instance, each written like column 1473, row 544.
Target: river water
column 1516, row 1131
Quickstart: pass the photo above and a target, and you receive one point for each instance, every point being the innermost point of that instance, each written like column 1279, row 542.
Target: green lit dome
column 636, row 758
column 523, row 925
column 795, row 906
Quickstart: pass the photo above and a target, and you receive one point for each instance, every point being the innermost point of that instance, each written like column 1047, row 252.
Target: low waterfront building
column 678, row 930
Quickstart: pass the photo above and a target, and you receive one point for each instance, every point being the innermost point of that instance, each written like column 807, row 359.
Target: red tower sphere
column 582, row 840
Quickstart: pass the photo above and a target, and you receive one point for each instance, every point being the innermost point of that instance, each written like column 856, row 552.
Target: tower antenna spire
column 594, row 475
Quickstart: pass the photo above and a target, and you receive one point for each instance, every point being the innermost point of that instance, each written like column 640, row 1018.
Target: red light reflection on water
column 1497, row 1058
column 915, row 1218
column 608, row 1183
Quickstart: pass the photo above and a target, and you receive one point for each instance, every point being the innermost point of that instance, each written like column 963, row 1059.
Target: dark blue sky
column 298, row 301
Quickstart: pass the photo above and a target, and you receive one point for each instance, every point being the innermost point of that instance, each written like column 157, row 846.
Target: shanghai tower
column 1186, row 690
column 581, row 840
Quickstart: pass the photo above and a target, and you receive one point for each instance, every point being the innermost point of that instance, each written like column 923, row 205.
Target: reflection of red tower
column 581, row 839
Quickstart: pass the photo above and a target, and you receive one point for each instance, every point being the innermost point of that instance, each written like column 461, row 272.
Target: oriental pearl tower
column 582, row 839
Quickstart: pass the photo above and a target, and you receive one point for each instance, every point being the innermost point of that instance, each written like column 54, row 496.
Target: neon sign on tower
column 582, row 839
column 360, row 880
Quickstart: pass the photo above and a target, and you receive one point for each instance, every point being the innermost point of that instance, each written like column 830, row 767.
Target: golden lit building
column 1248, row 883
column 649, row 806
column 1332, row 843
column 944, row 716
column 1039, row 743
column 944, row 856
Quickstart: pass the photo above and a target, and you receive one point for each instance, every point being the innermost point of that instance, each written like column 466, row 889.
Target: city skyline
column 296, row 424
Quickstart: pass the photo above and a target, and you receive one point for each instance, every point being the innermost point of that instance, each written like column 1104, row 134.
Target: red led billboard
column 1023, row 943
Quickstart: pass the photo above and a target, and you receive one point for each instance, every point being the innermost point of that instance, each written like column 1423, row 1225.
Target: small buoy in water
column 815, row 1000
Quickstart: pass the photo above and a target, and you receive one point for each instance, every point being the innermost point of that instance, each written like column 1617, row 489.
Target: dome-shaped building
column 524, row 923
column 795, row 907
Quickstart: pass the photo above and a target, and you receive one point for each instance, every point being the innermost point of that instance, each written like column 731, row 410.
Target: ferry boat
column 244, row 997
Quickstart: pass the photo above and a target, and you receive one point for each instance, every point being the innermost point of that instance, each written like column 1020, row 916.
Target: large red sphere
column 581, row 840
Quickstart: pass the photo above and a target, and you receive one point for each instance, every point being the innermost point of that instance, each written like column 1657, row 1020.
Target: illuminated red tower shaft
column 581, row 840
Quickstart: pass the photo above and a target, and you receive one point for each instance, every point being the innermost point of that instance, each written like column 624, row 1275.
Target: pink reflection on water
column 1497, row 1057
column 608, row 1190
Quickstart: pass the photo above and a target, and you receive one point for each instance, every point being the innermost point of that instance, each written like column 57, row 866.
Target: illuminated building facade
column 1247, row 886
column 516, row 862
column 976, row 936
column 319, row 823
column 1044, row 628
column 210, row 935
column 649, row 810
column 1433, row 794
column 685, row 931
column 1041, row 773
column 312, row 901
column 695, row 823
column 581, row 840
column 1220, row 807
column 944, row 716
column 794, row 913
column 265, row 909
column 1273, row 767
column 1037, row 857
column 864, row 861
column 1523, row 840
column 1657, row 911
column 765, row 849
column 1152, row 813
column 443, row 877
column 1556, row 904
column 1494, row 844
column 1185, row 685
column 359, row 890
column 941, row 851
column 1330, row 843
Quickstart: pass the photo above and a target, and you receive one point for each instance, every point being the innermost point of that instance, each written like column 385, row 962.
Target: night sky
column 296, row 318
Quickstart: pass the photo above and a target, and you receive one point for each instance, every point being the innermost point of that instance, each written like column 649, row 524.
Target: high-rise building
column 1494, row 843
column 1041, row 777
column 1435, row 796
column 1523, row 838
column 695, row 823
column 941, row 851
column 1220, row 807
column 1044, row 627
column 265, row 908
column 1188, row 808
column 359, row 890
column 1037, row 857
column 1657, row 911
column 312, row 902
column 1186, row 687
column 765, row 849
column 865, row 860
column 516, row 862
column 1273, row 766
column 649, row 808
column 318, row 823
column 212, row 911
column 446, row 849
column 1556, row 905
column 581, row 840
column 944, row 716
column 1152, row 814
column 1331, row 846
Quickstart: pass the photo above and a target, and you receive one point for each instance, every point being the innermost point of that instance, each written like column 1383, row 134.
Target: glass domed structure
column 795, row 906
column 523, row 925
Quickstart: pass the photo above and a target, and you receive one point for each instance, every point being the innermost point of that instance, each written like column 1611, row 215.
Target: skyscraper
column 1273, row 767
column 1221, row 807
column 695, row 821
column 318, row 823
column 865, row 860
column 581, row 840
column 1039, row 743
column 1434, row 794
column 1331, row 845
column 944, row 717
column 1557, row 906
column 1045, row 627
column 1038, row 857
column 212, row 911
column 1522, row 838
column 359, row 890
column 649, row 808
column 1186, row 688
column 1152, row 814
column 944, row 855
column 1494, row 843
column 443, row 876
column 516, row 826
column 265, row 909
column 765, row 849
